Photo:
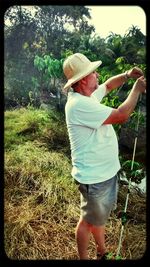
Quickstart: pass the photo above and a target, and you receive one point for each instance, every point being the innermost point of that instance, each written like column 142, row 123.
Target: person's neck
column 83, row 91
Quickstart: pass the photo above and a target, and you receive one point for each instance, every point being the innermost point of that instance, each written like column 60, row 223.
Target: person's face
column 92, row 81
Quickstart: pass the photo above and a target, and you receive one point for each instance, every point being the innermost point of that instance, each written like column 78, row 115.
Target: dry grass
column 43, row 228
column 41, row 204
column 41, row 231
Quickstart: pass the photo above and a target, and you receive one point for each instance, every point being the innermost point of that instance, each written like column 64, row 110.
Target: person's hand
column 134, row 73
column 140, row 84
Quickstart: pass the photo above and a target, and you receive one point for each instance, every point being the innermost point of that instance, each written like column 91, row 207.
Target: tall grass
column 41, row 201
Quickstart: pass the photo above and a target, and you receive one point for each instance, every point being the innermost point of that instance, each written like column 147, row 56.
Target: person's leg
column 83, row 232
column 99, row 236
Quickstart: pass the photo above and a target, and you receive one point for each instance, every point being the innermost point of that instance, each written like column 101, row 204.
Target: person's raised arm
column 123, row 112
column 120, row 79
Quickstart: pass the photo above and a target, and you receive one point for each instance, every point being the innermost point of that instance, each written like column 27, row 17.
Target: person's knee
column 82, row 225
column 97, row 228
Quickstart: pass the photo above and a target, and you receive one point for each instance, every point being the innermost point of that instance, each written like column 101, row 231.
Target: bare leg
column 99, row 236
column 83, row 231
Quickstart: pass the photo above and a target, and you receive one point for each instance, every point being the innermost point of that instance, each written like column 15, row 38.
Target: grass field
column 41, row 201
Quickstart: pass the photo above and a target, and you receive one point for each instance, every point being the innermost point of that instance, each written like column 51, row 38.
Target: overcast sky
column 117, row 19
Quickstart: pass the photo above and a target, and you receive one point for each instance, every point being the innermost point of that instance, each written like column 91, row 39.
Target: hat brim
column 93, row 66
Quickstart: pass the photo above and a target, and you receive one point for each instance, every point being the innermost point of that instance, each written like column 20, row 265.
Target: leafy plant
column 133, row 170
column 50, row 67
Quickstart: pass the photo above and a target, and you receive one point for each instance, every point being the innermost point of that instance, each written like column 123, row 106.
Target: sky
column 117, row 19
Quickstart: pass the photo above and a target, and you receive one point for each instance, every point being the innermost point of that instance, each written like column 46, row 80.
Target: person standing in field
column 94, row 144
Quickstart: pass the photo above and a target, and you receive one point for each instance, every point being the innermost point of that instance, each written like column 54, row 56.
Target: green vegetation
column 36, row 46
column 41, row 200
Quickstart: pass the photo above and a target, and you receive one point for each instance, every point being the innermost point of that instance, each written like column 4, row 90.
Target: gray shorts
column 98, row 200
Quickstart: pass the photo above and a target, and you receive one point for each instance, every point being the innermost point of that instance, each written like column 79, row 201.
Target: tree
column 53, row 22
column 42, row 34
column 134, row 43
column 114, row 43
column 19, row 32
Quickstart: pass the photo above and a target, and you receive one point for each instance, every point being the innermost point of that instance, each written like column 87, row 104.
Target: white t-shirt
column 94, row 147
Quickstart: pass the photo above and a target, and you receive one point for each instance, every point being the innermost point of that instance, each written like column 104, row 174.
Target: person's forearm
column 128, row 106
column 116, row 81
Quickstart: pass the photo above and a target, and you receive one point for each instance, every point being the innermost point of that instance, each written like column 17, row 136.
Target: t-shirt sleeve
column 91, row 113
column 100, row 92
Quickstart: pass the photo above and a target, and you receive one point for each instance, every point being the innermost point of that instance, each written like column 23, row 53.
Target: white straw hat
column 78, row 66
